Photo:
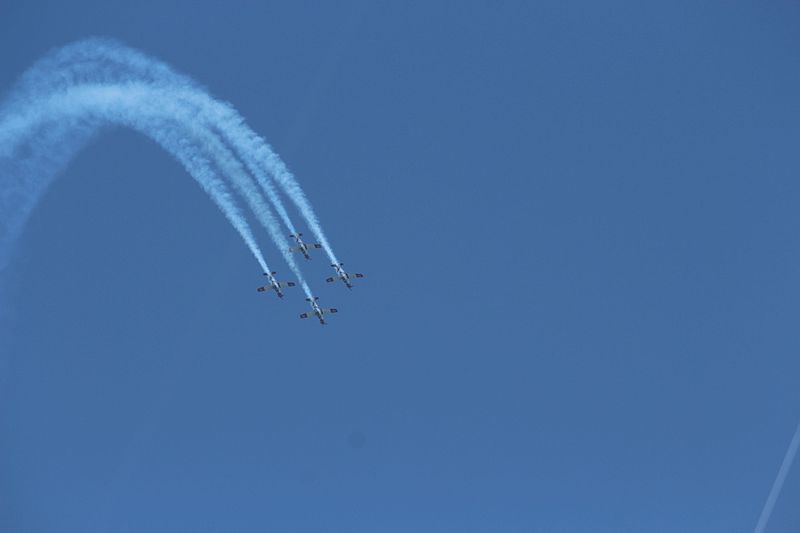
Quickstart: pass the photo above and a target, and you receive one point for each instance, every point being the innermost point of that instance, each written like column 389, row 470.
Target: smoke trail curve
column 66, row 123
column 108, row 60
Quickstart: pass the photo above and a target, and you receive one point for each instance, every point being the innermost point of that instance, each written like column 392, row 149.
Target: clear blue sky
column 579, row 224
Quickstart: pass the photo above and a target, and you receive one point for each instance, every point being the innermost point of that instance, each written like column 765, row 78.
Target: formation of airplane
column 346, row 277
column 318, row 311
column 303, row 247
column 275, row 285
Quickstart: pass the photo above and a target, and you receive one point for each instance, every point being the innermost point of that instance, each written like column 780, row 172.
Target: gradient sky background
column 579, row 225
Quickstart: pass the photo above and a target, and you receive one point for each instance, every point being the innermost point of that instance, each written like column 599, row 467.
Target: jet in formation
column 303, row 247
column 318, row 311
column 275, row 285
column 341, row 275
column 345, row 277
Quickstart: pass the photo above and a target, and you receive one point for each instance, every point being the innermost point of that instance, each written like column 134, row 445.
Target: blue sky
column 578, row 222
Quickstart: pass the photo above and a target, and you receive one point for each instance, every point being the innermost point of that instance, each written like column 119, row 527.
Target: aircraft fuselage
column 317, row 312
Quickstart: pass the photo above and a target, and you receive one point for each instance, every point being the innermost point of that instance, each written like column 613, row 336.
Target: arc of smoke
column 102, row 60
column 70, row 119
column 167, row 99
column 256, row 152
column 777, row 485
column 110, row 60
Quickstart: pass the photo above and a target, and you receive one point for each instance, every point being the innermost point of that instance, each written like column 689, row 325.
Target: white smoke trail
column 170, row 102
column 67, row 120
column 775, row 491
column 106, row 60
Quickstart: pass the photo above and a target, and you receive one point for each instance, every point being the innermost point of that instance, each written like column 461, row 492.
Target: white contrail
column 67, row 120
column 106, row 60
column 783, row 471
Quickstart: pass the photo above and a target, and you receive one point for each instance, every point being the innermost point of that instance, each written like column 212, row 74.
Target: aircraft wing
column 304, row 315
column 324, row 310
column 264, row 288
column 315, row 245
column 294, row 249
column 331, row 280
column 355, row 275
column 284, row 284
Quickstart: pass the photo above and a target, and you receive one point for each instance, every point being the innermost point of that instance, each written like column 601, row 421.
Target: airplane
column 346, row 277
column 275, row 284
column 303, row 247
column 318, row 311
